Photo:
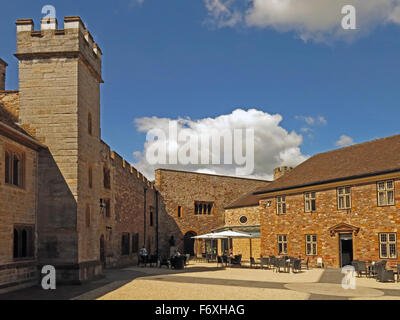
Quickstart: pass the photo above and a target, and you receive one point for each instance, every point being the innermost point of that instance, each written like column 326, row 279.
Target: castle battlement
column 72, row 41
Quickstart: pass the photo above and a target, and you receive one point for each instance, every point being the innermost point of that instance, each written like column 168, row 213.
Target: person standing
column 143, row 255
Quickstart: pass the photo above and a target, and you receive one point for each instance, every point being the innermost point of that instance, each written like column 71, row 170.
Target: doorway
column 188, row 243
column 345, row 249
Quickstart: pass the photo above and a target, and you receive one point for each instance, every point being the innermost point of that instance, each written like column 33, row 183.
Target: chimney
column 3, row 66
column 281, row 171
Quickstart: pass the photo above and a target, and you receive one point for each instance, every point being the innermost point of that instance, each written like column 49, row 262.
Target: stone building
column 85, row 206
column 195, row 204
column 339, row 206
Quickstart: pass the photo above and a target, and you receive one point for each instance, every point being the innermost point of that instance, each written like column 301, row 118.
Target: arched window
column 90, row 125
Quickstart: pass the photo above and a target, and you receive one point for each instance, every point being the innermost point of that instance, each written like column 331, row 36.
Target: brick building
column 81, row 206
column 195, row 204
column 339, row 206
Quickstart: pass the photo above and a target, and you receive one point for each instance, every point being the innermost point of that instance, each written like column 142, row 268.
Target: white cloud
column 274, row 145
column 344, row 141
column 318, row 20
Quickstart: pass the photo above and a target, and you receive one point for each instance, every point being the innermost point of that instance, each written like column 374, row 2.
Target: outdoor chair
column 280, row 263
column 178, row 262
column 204, row 257
column 397, row 272
column 304, row 264
column 237, row 260
column 254, row 264
column 152, row 261
column 361, row 268
column 165, row 262
column 296, row 265
column 220, row 261
column 264, row 262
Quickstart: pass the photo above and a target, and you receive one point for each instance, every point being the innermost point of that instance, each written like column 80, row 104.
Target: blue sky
column 166, row 58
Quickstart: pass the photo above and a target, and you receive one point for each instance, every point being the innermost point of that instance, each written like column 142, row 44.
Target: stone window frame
column 179, row 211
column 312, row 241
column 125, row 243
column 11, row 153
column 245, row 218
column 18, row 242
column 346, row 194
column 310, row 198
column 282, row 242
column 387, row 243
column 385, row 191
column 135, row 242
column 281, row 207
column 106, row 178
column 203, row 204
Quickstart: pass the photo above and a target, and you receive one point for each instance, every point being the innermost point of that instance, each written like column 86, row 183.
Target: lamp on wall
column 269, row 202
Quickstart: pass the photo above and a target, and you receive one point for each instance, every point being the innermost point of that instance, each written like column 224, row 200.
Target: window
column 107, row 207
column 311, row 245
column 151, row 219
column 243, row 219
column 23, row 242
column 87, row 216
column 125, row 244
column 281, row 205
column 282, row 244
column 385, row 191
column 387, row 246
column 90, row 126
column 14, row 168
column 135, row 243
column 179, row 212
column 203, row 208
column 90, row 177
column 344, row 198
column 107, row 178
column 309, row 202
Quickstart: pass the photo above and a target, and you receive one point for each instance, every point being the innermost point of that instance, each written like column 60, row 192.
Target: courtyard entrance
column 188, row 243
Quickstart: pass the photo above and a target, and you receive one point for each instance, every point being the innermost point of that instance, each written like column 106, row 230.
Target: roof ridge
column 355, row 145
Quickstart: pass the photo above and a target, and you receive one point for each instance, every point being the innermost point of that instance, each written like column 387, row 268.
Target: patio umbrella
column 234, row 235
column 208, row 236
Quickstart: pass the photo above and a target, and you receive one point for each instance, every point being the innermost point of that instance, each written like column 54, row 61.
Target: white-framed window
column 280, row 205
column 385, row 191
column 344, row 198
column 282, row 244
column 311, row 244
column 388, row 245
column 310, row 203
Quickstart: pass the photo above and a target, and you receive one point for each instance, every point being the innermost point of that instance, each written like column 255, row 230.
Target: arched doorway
column 188, row 243
column 102, row 253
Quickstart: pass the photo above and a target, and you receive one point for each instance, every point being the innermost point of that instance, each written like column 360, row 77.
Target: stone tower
column 60, row 77
column 3, row 66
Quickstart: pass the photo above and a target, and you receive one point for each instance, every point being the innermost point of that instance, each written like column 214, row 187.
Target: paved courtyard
column 203, row 281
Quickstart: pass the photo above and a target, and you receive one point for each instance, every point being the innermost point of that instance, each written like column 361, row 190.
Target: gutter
column 328, row 181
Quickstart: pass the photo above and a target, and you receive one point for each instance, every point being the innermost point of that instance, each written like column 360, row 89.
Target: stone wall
column 18, row 208
column 178, row 188
column 364, row 214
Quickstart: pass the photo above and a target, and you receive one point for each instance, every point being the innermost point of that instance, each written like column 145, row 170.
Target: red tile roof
column 365, row 159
